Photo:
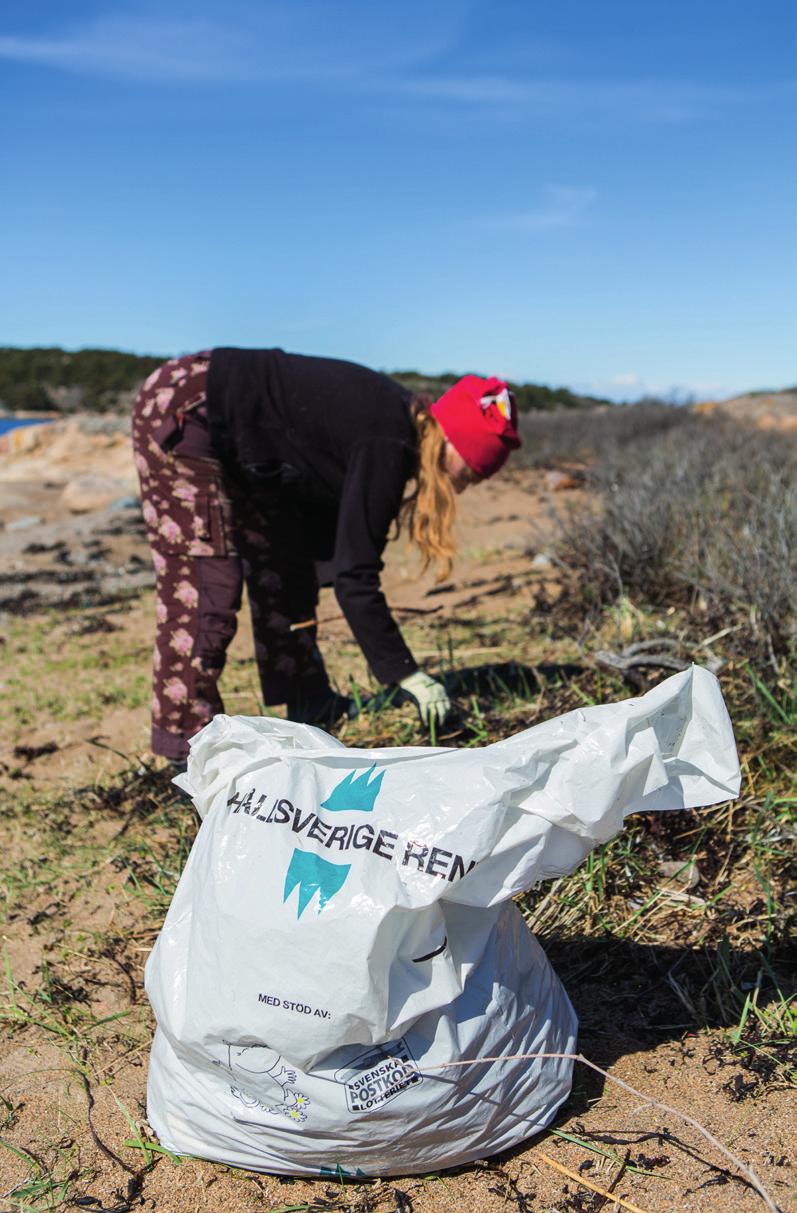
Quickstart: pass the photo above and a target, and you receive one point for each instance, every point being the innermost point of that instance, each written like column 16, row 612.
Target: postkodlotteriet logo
column 354, row 794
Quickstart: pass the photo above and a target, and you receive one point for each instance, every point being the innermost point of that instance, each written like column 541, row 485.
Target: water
column 11, row 423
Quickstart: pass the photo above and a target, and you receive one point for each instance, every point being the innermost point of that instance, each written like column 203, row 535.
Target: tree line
column 50, row 379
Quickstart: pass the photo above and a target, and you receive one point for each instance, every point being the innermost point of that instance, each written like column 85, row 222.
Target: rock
column 92, row 492
column 684, row 873
column 22, row 524
column 557, row 482
column 22, row 438
column 125, row 503
column 542, row 561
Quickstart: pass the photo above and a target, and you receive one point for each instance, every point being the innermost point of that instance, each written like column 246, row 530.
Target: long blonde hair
column 428, row 512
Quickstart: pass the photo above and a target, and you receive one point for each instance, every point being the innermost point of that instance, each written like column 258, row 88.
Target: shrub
column 565, row 435
column 700, row 512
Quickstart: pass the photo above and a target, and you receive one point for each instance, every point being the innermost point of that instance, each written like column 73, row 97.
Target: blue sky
column 600, row 195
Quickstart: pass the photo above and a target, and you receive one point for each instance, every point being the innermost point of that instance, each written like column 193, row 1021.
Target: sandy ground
column 88, row 922
column 94, row 561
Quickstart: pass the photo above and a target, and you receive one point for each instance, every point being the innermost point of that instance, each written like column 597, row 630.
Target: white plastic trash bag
column 343, row 929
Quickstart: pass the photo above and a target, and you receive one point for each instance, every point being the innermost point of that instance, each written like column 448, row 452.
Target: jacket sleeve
column 373, row 489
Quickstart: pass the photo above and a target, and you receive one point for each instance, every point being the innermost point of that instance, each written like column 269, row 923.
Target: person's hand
column 429, row 697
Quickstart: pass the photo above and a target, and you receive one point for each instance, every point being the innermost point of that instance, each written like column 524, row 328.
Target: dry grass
column 684, row 510
column 672, row 939
column 550, row 438
column 87, row 877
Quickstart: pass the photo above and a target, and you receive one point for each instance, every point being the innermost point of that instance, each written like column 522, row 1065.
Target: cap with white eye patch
column 502, row 400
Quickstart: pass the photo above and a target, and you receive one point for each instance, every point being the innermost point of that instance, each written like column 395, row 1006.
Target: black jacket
column 335, row 442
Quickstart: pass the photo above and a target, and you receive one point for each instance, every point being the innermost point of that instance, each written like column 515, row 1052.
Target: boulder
column 92, row 492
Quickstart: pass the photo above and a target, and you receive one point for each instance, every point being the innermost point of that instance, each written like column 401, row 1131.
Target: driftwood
column 643, row 653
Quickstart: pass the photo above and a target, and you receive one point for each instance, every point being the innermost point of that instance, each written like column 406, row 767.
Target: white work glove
column 429, row 697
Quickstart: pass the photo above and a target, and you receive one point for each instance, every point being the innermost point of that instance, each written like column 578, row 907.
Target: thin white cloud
column 559, row 206
column 649, row 99
column 141, row 48
column 632, row 386
column 384, row 52
column 271, row 42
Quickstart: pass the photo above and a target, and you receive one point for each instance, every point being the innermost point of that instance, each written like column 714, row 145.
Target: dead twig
column 586, row 1183
column 99, row 1143
column 402, row 610
column 746, row 1170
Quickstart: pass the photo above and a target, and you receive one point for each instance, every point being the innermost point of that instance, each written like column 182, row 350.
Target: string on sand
column 737, row 1162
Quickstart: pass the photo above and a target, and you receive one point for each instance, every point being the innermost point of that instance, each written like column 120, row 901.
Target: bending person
column 273, row 467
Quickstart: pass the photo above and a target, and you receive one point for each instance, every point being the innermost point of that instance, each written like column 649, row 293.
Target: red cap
column 479, row 418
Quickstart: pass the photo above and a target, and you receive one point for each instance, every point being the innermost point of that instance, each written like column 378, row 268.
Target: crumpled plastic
column 344, row 928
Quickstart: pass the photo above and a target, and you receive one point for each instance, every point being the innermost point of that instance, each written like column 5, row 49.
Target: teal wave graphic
column 313, row 875
column 354, row 793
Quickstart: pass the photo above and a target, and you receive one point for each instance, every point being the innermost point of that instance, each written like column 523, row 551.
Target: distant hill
column 767, row 410
column 69, row 382
column 106, row 381
column 528, row 395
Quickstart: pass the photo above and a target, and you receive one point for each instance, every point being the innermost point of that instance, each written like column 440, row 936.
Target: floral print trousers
column 206, row 539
